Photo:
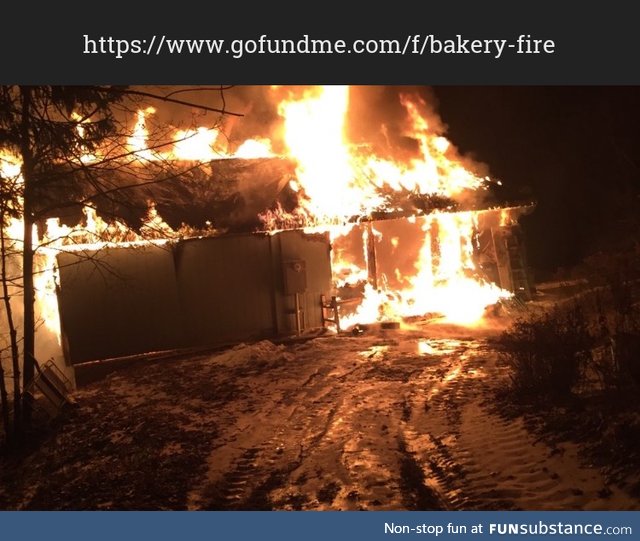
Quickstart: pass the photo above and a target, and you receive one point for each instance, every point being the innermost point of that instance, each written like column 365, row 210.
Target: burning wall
column 127, row 300
column 453, row 264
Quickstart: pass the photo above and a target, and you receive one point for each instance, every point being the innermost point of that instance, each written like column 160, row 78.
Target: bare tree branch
column 129, row 92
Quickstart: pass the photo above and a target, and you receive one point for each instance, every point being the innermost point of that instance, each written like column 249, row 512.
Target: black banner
column 496, row 43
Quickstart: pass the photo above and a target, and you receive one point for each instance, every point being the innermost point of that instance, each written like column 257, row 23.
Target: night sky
column 574, row 150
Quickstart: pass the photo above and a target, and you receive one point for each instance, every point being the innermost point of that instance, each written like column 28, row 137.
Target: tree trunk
column 15, row 353
column 4, row 404
column 28, row 347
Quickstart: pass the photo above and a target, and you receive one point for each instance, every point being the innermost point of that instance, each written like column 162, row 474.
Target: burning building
column 331, row 231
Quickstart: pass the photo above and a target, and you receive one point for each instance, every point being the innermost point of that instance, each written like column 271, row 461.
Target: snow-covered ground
column 389, row 419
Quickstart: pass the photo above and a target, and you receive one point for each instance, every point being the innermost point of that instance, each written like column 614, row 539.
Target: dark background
column 574, row 150
column 595, row 43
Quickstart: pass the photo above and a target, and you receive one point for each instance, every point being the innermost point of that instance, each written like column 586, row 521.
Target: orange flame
column 340, row 180
column 195, row 145
column 254, row 148
column 444, row 284
column 335, row 180
column 138, row 139
column 314, row 135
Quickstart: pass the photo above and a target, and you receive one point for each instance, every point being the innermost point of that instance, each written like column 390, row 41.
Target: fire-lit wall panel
column 314, row 252
column 198, row 292
column 118, row 301
column 226, row 288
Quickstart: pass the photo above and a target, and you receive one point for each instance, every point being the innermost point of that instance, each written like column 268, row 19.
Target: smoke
column 377, row 119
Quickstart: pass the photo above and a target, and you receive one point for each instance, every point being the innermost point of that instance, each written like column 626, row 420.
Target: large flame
column 336, row 181
column 314, row 135
column 341, row 180
column 193, row 144
column 46, row 302
column 138, row 139
column 446, row 283
column 434, row 172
